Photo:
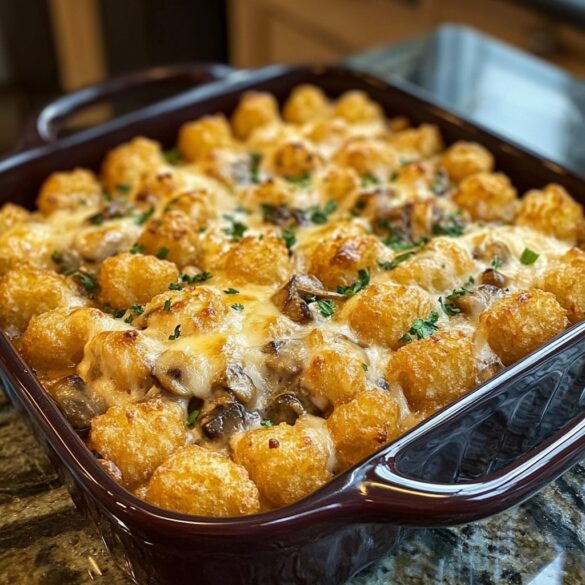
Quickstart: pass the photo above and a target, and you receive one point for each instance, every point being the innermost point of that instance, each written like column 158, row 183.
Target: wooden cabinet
column 285, row 31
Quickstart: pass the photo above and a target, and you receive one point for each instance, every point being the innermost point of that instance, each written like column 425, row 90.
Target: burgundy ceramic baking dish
column 488, row 451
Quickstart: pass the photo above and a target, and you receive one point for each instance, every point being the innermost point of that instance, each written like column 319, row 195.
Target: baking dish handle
column 43, row 127
column 545, row 393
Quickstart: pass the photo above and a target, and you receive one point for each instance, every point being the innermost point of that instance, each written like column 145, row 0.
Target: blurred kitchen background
column 51, row 46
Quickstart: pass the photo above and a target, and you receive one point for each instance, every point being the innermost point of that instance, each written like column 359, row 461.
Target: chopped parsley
column 255, row 160
column 201, row 277
column 162, row 253
column 369, row 180
column 321, row 216
column 303, row 181
column 361, row 283
column 393, row 176
column 326, row 307
column 231, row 291
column 496, row 262
column 118, row 313
column 267, row 423
column 123, row 188
column 449, row 226
column 235, row 230
column 106, row 196
column 173, row 155
column 57, row 257
column 238, row 307
column 289, row 237
column 175, row 286
column 137, row 249
column 422, row 328
column 86, row 279
column 448, row 306
column 137, row 309
column 176, row 334
column 192, row 418
column 529, row 257
column 365, row 366
column 144, row 217
column 167, row 305
column 396, row 261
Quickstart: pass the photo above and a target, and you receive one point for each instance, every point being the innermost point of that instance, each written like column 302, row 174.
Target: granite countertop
column 45, row 541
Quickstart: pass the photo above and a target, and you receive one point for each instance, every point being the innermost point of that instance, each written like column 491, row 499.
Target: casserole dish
column 491, row 449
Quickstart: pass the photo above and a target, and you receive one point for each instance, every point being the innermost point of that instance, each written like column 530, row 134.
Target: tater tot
column 336, row 260
column 196, row 204
column 305, row 104
column 285, row 462
column 197, row 310
column 566, row 280
column 466, row 158
column 199, row 138
column 363, row 425
column 197, row 481
column 356, row 107
column 256, row 109
column 434, row 371
column 294, row 160
column 70, row 190
column 339, row 183
column 521, row 322
column 128, row 279
column 125, row 164
column 441, row 265
column 368, row 156
column 56, row 339
column 552, row 212
column 176, row 232
column 425, row 140
column 272, row 191
column 335, row 373
column 26, row 292
column 383, row 313
column 118, row 366
column 259, row 261
column 26, row 244
column 11, row 215
column 487, row 197
column 138, row 438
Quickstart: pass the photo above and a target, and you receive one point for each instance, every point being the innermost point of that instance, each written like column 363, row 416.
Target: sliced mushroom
column 75, row 401
column 478, row 300
column 227, row 416
column 493, row 277
column 292, row 298
column 490, row 250
column 238, row 383
column 284, row 408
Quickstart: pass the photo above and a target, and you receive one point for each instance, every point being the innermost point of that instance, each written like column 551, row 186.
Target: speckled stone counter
column 44, row 541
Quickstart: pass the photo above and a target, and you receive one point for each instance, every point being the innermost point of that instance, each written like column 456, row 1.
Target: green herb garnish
column 303, row 181
column 201, row 277
column 496, row 262
column 144, row 217
column 231, row 291
column 137, row 309
column 123, row 188
column 361, row 283
column 118, row 313
column 320, row 216
column 137, row 249
column 86, row 279
column 173, row 155
column 238, row 307
column 369, row 180
column 57, row 257
column 448, row 306
column 192, row 418
column 395, row 261
column 97, row 219
column 326, row 307
column 175, row 286
column 365, row 366
column 449, row 226
column 162, row 253
column 422, row 328
column 255, row 160
column 167, row 305
column 267, row 423
column 236, row 230
column 289, row 237
column 529, row 257
column 176, row 334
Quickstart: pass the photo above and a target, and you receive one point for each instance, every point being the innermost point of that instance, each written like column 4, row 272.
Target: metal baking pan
column 491, row 449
